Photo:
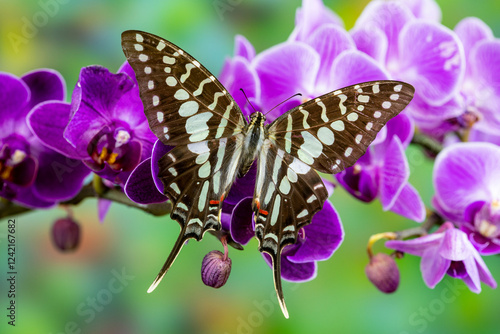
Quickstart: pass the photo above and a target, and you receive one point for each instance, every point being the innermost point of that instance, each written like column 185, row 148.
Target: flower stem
column 8, row 208
column 376, row 237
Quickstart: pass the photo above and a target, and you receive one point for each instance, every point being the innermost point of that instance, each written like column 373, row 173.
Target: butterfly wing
column 183, row 101
column 288, row 193
column 331, row 132
column 327, row 134
column 189, row 109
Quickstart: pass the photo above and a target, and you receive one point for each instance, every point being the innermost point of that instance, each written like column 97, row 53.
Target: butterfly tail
column 276, row 258
column 181, row 240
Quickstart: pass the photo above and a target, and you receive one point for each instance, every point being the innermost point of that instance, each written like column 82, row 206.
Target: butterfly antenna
column 250, row 103
column 291, row 97
column 181, row 240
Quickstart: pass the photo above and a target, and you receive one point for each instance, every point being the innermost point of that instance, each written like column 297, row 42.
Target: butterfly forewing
column 183, row 101
column 331, row 132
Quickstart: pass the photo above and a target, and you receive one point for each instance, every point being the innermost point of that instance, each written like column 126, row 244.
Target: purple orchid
column 237, row 73
column 418, row 51
column 31, row 174
column 104, row 126
column 468, row 192
column 480, row 91
column 312, row 15
column 383, row 172
column 447, row 251
column 328, row 61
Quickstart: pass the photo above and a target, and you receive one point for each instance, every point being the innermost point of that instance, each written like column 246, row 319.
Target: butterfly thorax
column 255, row 133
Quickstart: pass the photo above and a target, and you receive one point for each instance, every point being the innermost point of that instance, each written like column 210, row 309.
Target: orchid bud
column 383, row 272
column 66, row 234
column 215, row 269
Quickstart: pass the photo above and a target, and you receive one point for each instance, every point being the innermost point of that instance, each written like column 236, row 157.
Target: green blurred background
column 55, row 291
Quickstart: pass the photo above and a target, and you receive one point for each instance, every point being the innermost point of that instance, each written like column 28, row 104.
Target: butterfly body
column 255, row 134
column 213, row 144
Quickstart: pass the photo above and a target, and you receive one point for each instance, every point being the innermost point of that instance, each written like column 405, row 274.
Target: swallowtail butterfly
column 189, row 109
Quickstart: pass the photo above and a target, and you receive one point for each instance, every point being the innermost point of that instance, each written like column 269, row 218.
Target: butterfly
column 213, row 144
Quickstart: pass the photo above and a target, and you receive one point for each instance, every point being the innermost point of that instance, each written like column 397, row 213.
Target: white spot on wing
column 326, row 135
column 189, row 66
column 175, row 188
column 288, row 135
column 311, row 145
column 311, row 199
column 156, row 100
column 171, row 81
column 161, row 46
column 375, row 89
column 188, row 108
column 369, row 126
column 398, row 88
column 197, row 126
column 338, row 125
column 199, row 90
column 363, row 98
column 181, row 94
column 299, row 167
column 342, row 107
column 386, row 104
column 168, row 60
column 352, row 117
column 159, row 117
column 202, row 200
column 204, row 170
column 143, row 57
column 276, row 210
column 348, row 152
column 358, row 139
column 302, row 213
column 138, row 47
column 377, row 114
column 285, row 186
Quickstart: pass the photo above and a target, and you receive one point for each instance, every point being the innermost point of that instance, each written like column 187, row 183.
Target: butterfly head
column 257, row 119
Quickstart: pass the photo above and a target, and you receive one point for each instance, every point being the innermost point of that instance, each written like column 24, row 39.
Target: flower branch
column 8, row 208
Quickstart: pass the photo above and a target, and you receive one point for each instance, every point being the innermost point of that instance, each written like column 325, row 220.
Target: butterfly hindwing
column 287, row 195
column 331, row 132
column 183, row 101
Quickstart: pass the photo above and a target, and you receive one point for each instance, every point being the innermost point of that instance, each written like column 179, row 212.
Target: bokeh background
column 56, row 292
